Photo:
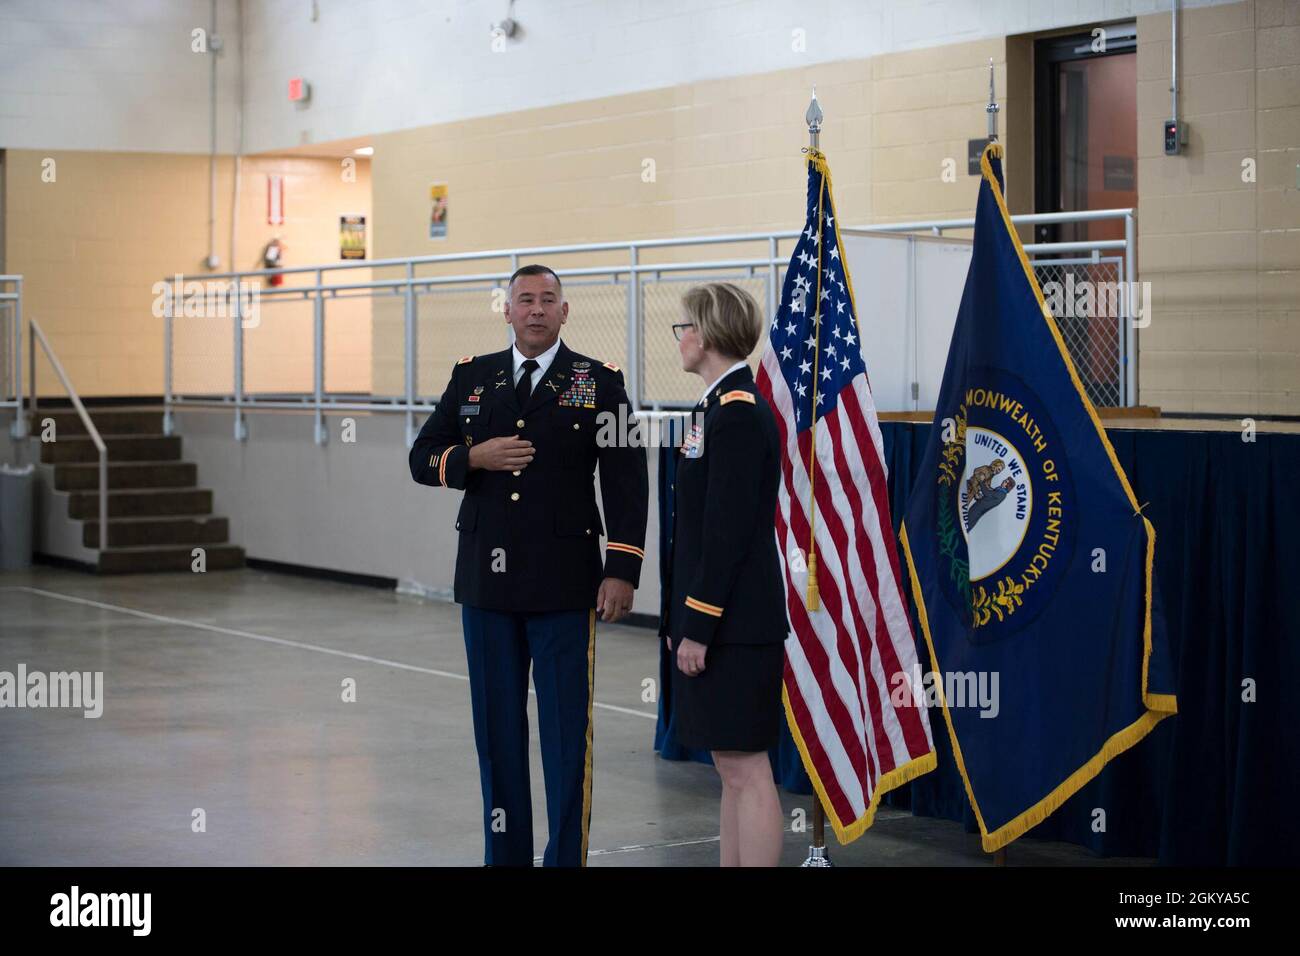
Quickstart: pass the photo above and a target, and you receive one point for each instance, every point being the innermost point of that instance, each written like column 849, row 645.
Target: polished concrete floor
column 224, row 700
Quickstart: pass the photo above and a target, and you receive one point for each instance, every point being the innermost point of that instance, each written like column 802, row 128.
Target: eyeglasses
column 681, row 327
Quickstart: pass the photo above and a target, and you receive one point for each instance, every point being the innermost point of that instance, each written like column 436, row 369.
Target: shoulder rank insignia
column 467, row 358
column 738, row 395
column 612, row 367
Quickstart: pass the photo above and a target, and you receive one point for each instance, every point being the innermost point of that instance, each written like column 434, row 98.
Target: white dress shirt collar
column 543, row 361
column 740, row 364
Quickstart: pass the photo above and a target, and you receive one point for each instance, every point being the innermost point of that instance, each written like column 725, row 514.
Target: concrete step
column 131, row 560
column 109, row 421
column 157, row 514
column 71, row 449
column 138, row 532
column 145, row 474
column 142, row 502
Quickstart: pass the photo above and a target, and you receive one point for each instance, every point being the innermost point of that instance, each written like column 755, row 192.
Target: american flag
column 844, row 658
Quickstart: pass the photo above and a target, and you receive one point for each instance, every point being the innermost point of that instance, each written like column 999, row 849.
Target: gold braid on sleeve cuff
column 710, row 609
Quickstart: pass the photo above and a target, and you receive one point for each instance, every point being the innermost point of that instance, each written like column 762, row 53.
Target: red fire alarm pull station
column 299, row 90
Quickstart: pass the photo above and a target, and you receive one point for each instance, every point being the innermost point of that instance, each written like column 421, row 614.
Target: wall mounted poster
column 352, row 237
column 438, row 211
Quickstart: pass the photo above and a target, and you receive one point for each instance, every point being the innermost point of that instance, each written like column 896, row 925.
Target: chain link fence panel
column 598, row 319
column 451, row 322
column 278, row 349
column 203, row 350
column 1093, row 334
column 664, row 384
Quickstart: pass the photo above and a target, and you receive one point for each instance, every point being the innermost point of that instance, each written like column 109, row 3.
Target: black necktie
column 525, row 386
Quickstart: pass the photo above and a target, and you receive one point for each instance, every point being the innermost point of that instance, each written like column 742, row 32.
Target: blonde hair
column 726, row 316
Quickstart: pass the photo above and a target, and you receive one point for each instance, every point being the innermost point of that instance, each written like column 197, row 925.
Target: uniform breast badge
column 693, row 446
column 582, row 392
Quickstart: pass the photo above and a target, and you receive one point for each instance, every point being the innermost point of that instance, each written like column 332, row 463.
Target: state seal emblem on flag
column 1004, row 523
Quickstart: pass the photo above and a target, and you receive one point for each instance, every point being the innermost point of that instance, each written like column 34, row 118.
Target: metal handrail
column 38, row 335
column 407, row 283
column 939, row 225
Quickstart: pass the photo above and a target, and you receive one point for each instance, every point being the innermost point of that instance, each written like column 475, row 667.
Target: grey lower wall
column 342, row 506
column 53, row 532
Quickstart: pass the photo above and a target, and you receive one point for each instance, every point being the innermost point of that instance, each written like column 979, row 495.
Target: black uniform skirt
column 736, row 703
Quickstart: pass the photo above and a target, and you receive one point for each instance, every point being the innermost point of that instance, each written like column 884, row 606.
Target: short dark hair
column 536, row 269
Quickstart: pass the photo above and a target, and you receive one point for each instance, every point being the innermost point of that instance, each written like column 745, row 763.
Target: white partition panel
column 907, row 289
column 941, row 267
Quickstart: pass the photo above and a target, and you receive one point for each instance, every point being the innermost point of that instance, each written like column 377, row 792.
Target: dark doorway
column 1085, row 136
column 1085, row 130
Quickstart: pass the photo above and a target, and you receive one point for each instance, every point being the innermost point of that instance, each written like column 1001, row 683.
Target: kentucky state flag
column 1031, row 562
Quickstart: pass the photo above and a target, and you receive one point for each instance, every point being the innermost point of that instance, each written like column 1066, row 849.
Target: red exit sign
column 299, row 90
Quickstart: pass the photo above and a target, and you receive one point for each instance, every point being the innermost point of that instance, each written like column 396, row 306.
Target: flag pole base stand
column 817, row 857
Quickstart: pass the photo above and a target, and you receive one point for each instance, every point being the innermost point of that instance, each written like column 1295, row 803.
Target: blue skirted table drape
column 1217, row 783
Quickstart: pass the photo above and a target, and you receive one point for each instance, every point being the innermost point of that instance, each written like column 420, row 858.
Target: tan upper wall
column 92, row 243
column 727, row 159
column 726, row 153
column 1222, row 253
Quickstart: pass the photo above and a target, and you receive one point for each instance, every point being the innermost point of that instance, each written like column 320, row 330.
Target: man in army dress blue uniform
column 516, row 430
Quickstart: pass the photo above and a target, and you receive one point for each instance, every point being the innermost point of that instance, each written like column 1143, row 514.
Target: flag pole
column 817, row 851
column 992, row 108
column 999, row 855
column 814, row 119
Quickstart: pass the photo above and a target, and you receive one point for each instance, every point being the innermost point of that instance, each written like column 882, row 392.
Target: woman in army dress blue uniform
column 724, row 616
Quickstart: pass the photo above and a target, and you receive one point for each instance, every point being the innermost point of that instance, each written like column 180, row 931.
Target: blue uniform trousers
column 499, row 646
